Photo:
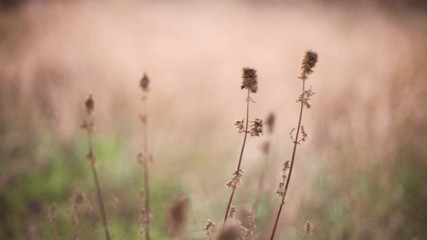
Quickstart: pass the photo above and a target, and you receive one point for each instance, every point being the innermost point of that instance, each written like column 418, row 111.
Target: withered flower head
column 271, row 119
column 90, row 104
column 177, row 216
column 308, row 63
column 250, row 79
column 144, row 82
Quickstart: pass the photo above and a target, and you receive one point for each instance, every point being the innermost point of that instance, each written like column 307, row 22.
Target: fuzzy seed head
column 310, row 60
column 250, row 81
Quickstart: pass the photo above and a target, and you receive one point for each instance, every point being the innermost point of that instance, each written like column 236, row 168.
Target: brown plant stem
column 145, row 167
column 91, row 159
column 241, row 154
column 282, row 203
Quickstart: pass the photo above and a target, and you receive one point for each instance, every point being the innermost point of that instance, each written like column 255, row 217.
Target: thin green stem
column 241, row 153
column 282, row 203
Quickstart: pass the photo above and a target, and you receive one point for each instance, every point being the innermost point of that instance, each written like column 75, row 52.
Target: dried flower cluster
column 256, row 127
column 281, row 189
column 305, row 97
column 240, row 125
column 237, row 176
column 303, row 138
column 248, row 225
column 250, row 81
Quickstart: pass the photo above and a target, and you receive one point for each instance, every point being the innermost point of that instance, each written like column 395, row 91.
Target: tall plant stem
column 282, row 203
column 145, row 166
column 241, row 154
column 97, row 185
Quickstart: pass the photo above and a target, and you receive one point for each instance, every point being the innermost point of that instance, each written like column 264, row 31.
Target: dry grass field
column 361, row 174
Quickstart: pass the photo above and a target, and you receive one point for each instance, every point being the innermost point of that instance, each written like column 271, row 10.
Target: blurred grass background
column 362, row 174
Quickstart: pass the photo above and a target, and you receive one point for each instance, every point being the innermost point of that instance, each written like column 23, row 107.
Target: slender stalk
column 97, row 185
column 241, row 153
column 282, row 203
column 145, row 167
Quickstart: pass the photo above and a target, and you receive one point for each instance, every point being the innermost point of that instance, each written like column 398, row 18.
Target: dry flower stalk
column 250, row 83
column 144, row 157
column 308, row 64
column 89, row 125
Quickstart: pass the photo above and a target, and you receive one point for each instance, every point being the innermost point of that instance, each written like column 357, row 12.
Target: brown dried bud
column 250, row 79
column 143, row 83
column 90, row 104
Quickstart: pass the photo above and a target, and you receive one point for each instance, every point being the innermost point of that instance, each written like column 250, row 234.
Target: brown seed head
column 310, row 60
column 250, row 79
column 90, row 104
column 143, row 83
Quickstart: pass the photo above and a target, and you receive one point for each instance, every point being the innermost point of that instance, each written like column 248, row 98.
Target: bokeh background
column 362, row 174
